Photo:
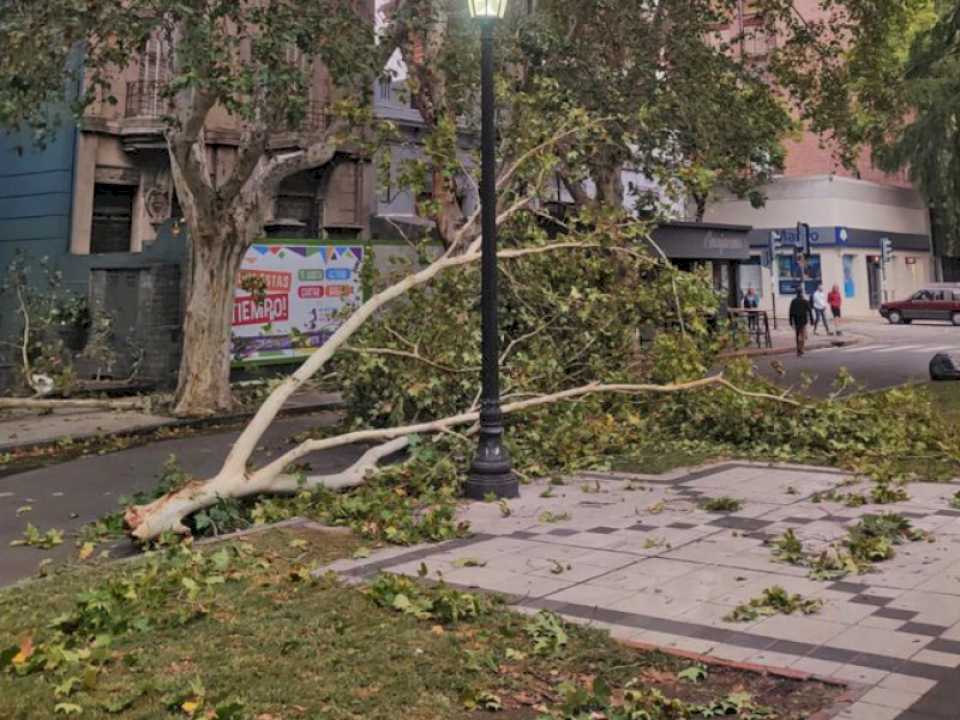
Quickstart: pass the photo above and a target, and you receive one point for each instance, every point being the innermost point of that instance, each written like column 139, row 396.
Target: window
column 112, row 224
column 793, row 275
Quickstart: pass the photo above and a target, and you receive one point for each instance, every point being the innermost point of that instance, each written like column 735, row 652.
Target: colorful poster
column 849, row 284
column 290, row 297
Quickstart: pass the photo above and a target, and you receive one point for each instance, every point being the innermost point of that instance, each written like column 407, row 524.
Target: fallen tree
column 167, row 513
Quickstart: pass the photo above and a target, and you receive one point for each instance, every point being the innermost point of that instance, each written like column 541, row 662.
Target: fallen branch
column 167, row 513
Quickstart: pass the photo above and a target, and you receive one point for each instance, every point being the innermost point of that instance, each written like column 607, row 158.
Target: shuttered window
column 112, row 218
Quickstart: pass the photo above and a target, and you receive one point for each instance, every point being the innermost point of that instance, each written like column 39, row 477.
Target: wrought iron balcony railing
column 146, row 99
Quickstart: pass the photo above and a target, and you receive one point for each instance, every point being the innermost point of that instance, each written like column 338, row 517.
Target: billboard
column 295, row 292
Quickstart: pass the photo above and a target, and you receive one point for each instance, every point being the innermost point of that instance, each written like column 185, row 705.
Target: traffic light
column 803, row 238
column 886, row 250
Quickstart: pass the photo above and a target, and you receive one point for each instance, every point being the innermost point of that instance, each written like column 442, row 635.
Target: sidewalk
column 637, row 555
column 22, row 429
column 784, row 342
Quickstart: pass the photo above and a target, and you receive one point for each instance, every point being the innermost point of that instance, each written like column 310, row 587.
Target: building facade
column 98, row 202
column 850, row 212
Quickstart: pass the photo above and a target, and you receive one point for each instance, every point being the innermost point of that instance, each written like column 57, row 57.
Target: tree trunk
column 204, row 380
column 701, row 203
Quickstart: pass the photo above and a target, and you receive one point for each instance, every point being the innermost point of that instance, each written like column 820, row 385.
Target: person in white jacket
column 820, row 310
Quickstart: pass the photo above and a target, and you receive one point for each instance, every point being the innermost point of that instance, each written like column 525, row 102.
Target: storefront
column 847, row 258
column 723, row 249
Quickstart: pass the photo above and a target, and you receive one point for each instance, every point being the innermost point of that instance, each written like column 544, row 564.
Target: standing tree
column 678, row 100
column 256, row 61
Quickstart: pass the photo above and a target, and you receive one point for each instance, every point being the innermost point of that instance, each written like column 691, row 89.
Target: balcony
column 146, row 99
column 315, row 119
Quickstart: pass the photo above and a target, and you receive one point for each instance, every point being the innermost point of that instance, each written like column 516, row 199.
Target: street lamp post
column 491, row 471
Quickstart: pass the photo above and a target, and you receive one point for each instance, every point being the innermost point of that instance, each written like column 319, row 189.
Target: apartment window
column 112, row 225
column 386, row 88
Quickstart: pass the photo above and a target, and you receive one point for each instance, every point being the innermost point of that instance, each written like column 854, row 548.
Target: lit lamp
column 491, row 472
column 490, row 9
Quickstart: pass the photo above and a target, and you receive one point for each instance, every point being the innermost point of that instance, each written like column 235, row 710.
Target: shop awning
column 703, row 241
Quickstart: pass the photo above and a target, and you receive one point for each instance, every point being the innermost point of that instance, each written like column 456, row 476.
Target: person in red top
column 835, row 301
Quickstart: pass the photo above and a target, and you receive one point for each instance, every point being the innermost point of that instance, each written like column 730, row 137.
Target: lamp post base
column 491, row 472
column 483, row 486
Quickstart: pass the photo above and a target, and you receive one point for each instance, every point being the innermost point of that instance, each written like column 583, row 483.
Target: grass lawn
column 946, row 397
column 240, row 630
column 659, row 460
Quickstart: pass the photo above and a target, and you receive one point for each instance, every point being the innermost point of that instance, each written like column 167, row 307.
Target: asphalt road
column 889, row 355
column 68, row 495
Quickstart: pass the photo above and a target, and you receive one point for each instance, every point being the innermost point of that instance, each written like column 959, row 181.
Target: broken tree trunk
column 167, row 513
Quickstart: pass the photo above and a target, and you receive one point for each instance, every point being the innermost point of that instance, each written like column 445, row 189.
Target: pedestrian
column 750, row 303
column 835, row 301
column 799, row 317
column 820, row 310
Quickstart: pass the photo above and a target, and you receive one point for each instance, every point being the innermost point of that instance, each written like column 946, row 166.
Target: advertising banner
column 289, row 298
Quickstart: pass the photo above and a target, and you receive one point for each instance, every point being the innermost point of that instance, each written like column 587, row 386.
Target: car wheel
column 956, row 318
column 895, row 317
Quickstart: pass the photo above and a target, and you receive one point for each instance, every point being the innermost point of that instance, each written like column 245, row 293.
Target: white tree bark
column 167, row 513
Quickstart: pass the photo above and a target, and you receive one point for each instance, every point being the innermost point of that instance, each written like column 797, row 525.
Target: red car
column 934, row 302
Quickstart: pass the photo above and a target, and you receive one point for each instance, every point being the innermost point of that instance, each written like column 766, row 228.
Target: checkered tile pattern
column 637, row 555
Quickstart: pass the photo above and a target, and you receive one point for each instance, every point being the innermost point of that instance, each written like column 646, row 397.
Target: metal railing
column 146, row 99
column 756, row 324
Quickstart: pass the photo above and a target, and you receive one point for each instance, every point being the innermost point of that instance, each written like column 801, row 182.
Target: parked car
column 934, row 302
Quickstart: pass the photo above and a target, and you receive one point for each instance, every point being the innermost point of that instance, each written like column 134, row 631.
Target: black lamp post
column 491, row 471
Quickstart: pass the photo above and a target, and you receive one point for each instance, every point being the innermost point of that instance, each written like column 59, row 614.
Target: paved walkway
column 68, row 495
column 636, row 555
column 21, row 428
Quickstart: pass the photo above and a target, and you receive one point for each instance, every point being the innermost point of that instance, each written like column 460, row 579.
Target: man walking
column 799, row 317
column 820, row 310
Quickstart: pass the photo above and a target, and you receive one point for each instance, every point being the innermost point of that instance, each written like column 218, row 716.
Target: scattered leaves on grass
column 695, row 673
column 775, row 600
column 439, row 603
column 547, row 632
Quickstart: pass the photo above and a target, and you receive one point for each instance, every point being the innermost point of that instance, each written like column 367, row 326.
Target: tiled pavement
column 635, row 554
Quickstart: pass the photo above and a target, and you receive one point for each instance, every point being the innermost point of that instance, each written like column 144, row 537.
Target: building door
column 725, row 282
column 874, row 281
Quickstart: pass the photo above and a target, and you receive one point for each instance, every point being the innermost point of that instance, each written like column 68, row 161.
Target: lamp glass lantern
column 488, row 9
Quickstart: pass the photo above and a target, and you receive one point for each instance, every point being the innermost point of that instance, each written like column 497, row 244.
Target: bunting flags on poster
column 307, row 286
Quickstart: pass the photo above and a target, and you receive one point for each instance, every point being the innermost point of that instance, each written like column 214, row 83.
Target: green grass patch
column 242, row 630
column 660, row 459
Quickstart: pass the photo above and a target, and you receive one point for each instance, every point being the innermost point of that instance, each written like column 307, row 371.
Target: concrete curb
column 790, row 349
column 333, row 403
